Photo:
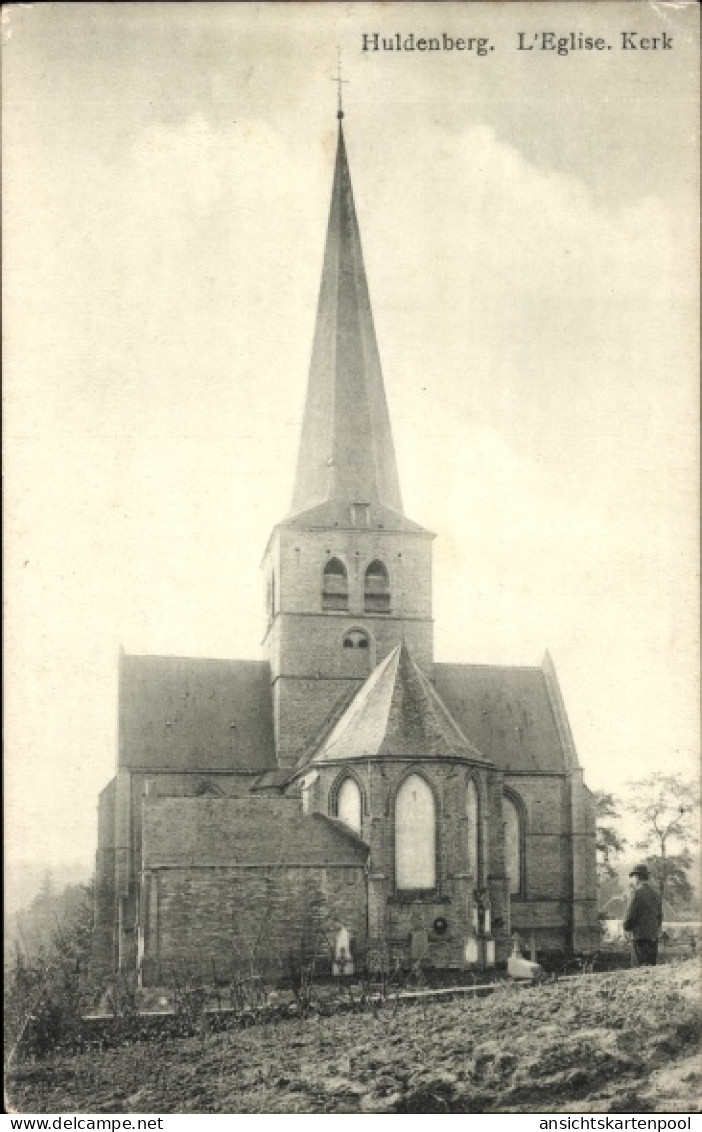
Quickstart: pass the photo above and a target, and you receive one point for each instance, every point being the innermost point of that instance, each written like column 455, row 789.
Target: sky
column 528, row 224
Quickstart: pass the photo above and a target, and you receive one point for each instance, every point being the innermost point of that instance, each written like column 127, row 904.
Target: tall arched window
column 376, row 588
column 348, row 804
column 415, row 835
column 335, row 587
column 514, row 863
column 473, row 816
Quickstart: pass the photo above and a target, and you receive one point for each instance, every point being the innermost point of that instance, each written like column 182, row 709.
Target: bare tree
column 47, row 986
column 667, row 807
column 671, row 875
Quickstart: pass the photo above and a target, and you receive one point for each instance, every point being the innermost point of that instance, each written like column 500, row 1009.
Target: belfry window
column 514, row 853
column 376, row 588
column 415, row 836
column 335, row 588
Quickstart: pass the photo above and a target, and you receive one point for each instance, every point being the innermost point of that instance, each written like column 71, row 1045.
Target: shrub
column 47, row 991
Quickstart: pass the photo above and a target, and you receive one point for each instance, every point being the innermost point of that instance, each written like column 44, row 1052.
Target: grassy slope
column 619, row 1042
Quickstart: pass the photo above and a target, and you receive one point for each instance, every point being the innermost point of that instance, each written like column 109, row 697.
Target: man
column 643, row 918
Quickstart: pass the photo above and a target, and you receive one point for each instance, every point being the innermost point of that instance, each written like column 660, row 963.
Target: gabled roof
column 395, row 713
column 511, row 714
column 256, row 830
column 346, row 448
column 185, row 713
column 182, row 713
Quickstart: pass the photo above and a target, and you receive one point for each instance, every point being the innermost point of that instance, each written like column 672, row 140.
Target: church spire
column 346, row 450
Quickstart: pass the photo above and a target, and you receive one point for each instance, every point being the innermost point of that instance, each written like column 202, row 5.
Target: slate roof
column 183, row 713
column 508, row 713
column 193, row 714
column 396, row 712
column 257, row 830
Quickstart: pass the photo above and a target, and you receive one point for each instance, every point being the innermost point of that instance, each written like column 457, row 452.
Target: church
column 345, row 796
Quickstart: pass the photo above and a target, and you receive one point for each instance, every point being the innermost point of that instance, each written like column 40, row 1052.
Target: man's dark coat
column 644, row 916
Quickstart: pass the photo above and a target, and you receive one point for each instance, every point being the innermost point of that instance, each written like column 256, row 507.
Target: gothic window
column 415, row 836
column 514, row 852
column 473, row 816
column 355, row 639
column 348, row 804
column 335, row 588
column 376, row 588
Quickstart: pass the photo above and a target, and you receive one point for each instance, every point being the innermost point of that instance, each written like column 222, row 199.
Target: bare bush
column 48, row 990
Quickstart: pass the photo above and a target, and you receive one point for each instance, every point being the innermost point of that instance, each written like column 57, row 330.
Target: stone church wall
column 232, row 882
column 225, row 921
column 318, row 675
column 544, row 908
column 586, row 926
column 179, row 784
column 303, row 708
column 398, row 918
column 541, row 909
column 557, row 904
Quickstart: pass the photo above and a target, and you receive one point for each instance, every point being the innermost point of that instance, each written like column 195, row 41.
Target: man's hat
column 640, row 871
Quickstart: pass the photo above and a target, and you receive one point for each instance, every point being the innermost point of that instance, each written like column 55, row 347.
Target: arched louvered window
column 348, row 804
column 415, row 836
column 335, row 587
column 473, row 816
column 376, row 588
column 514, row 851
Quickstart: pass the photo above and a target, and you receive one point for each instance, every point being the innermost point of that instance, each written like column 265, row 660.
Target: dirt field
column 620, row 1042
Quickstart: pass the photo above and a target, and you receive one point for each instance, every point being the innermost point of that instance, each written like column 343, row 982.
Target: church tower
column 348, row 576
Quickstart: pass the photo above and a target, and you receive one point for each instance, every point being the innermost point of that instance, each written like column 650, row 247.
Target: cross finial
column 339, row 80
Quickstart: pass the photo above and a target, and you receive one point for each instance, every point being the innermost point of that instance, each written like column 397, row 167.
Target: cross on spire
column 339, row 81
